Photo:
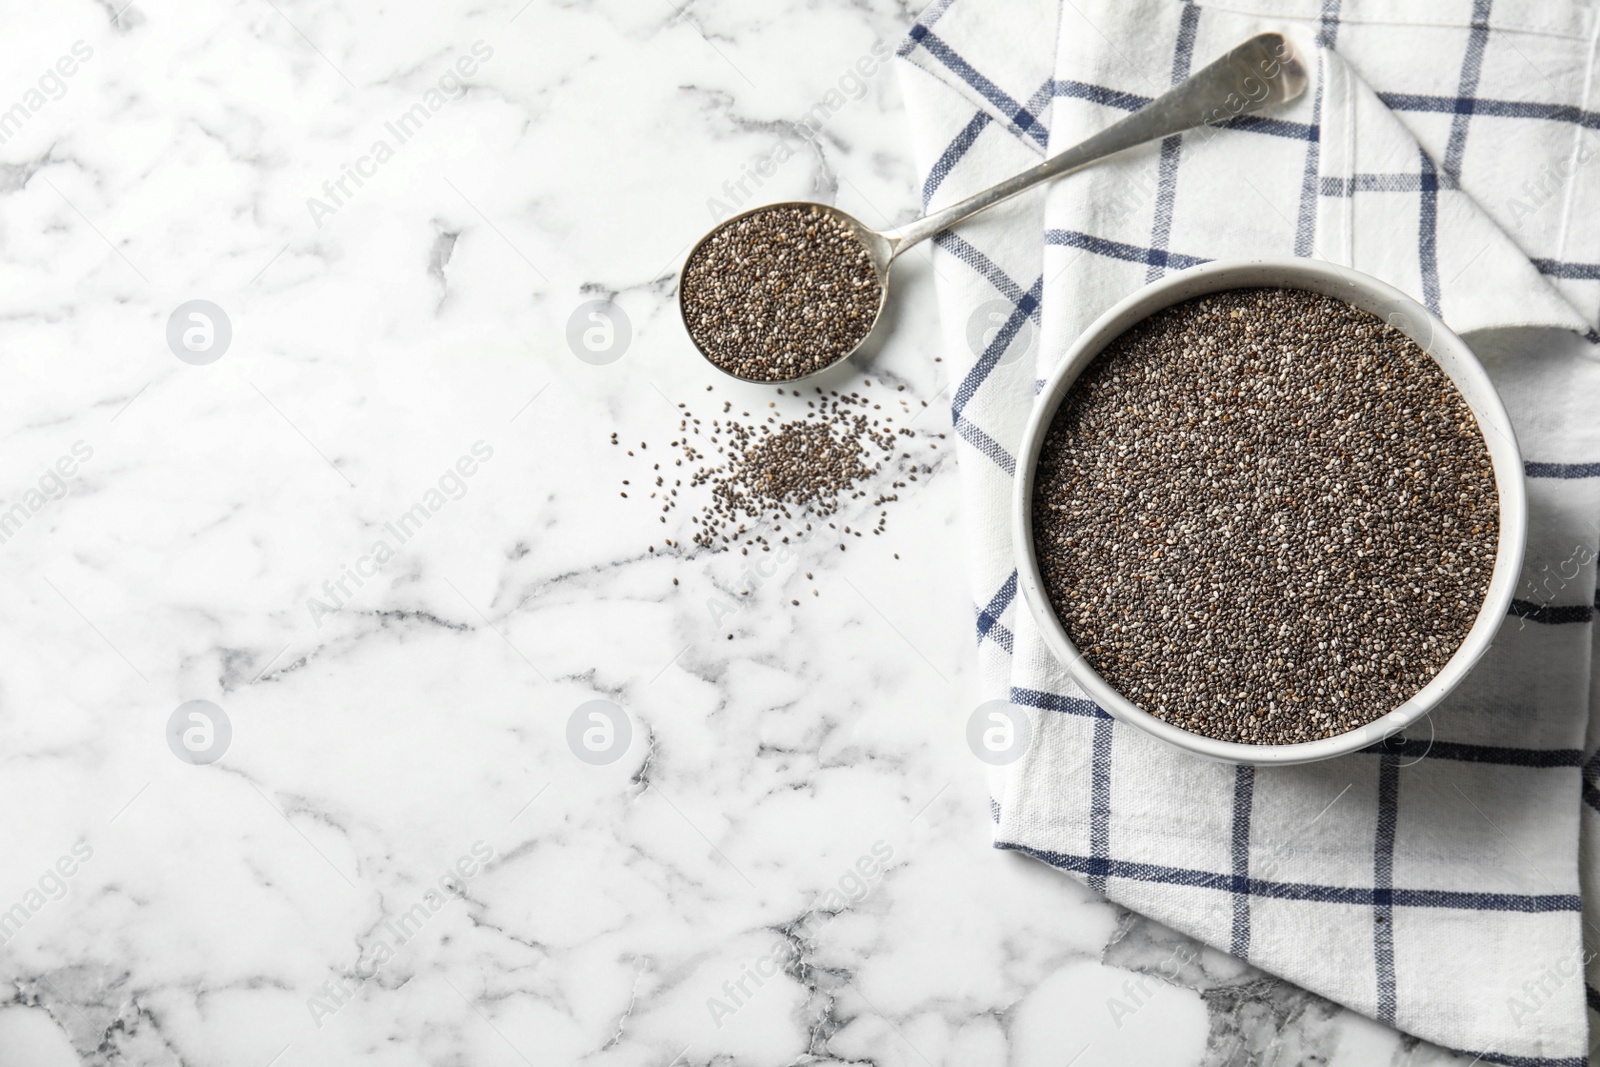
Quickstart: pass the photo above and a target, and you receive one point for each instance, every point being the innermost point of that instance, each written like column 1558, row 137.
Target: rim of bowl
column 1452, row 355
column 882, row 260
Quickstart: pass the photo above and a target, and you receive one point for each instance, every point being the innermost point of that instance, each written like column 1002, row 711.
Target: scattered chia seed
column 780, row 294
column 1265, row 516
column 775, row 471
column 776, row 482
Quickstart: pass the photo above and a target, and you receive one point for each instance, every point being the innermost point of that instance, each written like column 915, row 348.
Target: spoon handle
column 1259, row 73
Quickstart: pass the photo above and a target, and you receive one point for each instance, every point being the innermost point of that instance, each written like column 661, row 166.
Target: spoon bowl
column 881, row 247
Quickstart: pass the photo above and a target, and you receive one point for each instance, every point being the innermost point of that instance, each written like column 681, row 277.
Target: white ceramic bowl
column 1369, row 294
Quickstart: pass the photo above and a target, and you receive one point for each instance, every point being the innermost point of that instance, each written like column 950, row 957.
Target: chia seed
column 778, row 481
column 1265, row 516
column 781, row 293
column 775, row 472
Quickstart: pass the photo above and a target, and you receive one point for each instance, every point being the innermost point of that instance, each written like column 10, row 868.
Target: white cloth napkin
column 1433, row 883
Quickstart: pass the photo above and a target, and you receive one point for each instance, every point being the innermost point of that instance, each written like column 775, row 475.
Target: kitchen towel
column 1434, row 882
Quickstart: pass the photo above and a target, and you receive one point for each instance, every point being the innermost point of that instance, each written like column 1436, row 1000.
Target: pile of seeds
column 805, row 464
column 1265, row 516
column 781, row 293
column 785, row 478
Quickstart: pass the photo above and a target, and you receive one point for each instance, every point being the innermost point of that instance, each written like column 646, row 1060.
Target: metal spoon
column 1257, row 74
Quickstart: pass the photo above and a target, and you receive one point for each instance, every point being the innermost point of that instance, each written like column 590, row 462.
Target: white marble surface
column 376, row 339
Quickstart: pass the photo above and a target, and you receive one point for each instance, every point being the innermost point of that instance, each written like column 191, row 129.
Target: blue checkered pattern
column 1431, row 881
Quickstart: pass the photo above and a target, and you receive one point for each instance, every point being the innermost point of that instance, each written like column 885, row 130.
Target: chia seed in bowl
column 1265, row 516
